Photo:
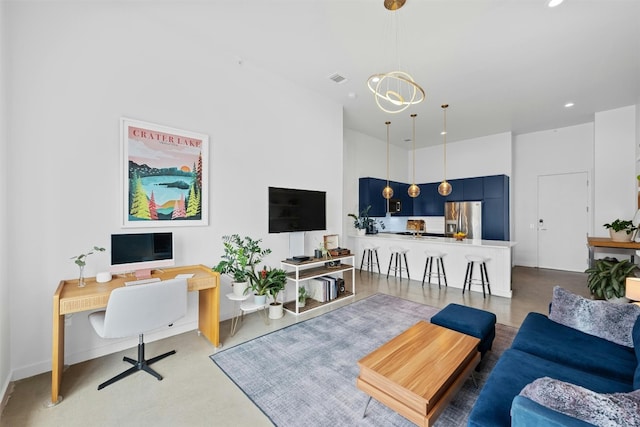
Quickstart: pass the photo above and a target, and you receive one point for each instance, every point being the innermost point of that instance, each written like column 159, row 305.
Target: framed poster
column 164, row 175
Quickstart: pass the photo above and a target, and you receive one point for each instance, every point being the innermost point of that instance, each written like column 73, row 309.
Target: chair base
column 138, row 365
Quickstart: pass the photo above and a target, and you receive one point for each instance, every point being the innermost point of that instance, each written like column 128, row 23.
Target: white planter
column 239, row 288
column 259, row 299
column 361, row 231
column 620, row 236
column 302, row 303
column 275, row 310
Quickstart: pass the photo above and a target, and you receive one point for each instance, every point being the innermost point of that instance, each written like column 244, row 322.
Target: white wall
column 615, row 183
column 5, row 365
column 74, row 70
column 548, row 152
column 487, row 155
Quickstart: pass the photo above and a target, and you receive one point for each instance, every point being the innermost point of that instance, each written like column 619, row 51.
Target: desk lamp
column 632, row 289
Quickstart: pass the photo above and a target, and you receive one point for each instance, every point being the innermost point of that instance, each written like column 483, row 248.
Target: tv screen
column 141, row 251
column 296, row 210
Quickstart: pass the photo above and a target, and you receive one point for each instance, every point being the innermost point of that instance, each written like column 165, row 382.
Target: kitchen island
column 455, row 263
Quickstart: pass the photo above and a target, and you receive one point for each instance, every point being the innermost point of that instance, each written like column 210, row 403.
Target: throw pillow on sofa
column 615, row 409
column 613, row 322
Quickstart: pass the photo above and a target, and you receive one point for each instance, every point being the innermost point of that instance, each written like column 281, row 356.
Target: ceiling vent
column 337, row 78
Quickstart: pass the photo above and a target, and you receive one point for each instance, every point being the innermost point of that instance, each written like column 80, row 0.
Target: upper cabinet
column 429, row 202
column 371, row 194
column 473, row 189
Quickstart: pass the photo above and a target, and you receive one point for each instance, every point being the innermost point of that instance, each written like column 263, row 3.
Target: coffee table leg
column 365, row 407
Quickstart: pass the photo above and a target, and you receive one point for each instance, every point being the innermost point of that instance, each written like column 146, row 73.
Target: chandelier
column 395, row 91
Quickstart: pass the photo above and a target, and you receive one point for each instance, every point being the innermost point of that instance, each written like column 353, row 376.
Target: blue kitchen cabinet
column 473, row 189
column 370, row 193
column 457, row 190
column 429, row 202
column 495, row 186
column 495, row 219
column 401, row 192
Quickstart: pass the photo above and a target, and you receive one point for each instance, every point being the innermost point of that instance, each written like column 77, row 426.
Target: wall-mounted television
column 141, row 252
column 293, row 210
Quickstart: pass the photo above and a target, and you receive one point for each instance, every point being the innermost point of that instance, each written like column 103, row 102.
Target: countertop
column 439, row 240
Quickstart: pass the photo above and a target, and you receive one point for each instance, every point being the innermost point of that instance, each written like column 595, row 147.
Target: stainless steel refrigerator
column 465, row 217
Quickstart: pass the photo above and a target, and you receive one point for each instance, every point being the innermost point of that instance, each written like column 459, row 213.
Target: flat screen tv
column 141, row 252
column 293, row 210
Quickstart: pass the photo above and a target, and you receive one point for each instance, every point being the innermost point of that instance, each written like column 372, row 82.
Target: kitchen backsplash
column 434, row 224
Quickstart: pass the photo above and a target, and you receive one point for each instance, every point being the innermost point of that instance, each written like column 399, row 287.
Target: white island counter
column 455, row 263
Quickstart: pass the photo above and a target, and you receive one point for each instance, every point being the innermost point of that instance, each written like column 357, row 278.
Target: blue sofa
column 545, row 348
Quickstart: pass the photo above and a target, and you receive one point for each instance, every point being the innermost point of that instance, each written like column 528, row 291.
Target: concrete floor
column 195, row 392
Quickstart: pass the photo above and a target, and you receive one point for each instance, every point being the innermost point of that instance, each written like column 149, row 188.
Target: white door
column 563, row 221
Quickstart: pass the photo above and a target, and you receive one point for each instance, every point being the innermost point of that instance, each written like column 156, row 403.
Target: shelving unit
column 298, row 272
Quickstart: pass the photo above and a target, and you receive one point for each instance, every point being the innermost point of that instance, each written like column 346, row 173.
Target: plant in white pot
column 241, row 255
column 303, row 294
column 278, row 282
column 621, row 230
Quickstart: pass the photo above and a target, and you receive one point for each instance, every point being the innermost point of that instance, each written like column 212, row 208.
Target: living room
column 71, row 70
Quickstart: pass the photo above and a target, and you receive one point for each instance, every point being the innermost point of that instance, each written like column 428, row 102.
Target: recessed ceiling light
column 443, row 132
column 554, row 3
column 569, row 105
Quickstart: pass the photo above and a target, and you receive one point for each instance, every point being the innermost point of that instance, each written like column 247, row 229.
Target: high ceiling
column 501, row 65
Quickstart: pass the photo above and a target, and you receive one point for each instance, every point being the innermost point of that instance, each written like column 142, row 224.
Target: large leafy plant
column 620, row 225
column 241, row 255
column 364, row 221
column 607, row 277
column 267, row 281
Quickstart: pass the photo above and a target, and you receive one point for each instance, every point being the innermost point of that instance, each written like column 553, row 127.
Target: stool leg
column 363, row 254
column 486, row 276
column 377, row 262
column 444, row 274
column 482, row 280
column 430, row 268
column 406, row 264
column 396, row 264
column 389, row 269
column 467, row 277
column 369, row 260
column 438, row 267
column 424, row 275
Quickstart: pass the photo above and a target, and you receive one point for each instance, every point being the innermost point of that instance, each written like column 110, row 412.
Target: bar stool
column 484, row 277
column 429, row 265
column 398, row 253
column 368, row 252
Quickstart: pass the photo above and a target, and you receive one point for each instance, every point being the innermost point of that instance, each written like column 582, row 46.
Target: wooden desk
column 604, row 244
column 69, row 298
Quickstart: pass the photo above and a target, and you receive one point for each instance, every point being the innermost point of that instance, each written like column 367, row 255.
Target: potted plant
column 302, row 296
column 621, row 230
column 364, row 224
column 81, row 262
column 606, row 279
column 278, row 280
column 261, row 282
column 241, row 255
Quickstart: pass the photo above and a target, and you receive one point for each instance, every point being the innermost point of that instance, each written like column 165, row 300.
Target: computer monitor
column 141, row 252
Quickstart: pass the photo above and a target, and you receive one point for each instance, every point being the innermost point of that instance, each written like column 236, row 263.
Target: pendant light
column 445, row 188
column 387, row 192
column 395, row 91
column 414, row 190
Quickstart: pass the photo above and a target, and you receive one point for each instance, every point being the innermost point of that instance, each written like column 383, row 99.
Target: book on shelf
column 324, row 288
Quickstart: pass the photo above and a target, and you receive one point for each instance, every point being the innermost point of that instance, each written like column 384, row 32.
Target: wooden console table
column 604, row 244
column 69, row 298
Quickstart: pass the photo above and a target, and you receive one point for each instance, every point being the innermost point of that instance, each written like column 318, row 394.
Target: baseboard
column 7, row 389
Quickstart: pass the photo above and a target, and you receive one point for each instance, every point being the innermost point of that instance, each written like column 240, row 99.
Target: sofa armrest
column 527, row 413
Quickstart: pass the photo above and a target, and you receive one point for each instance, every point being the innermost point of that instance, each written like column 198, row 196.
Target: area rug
column 305, row 374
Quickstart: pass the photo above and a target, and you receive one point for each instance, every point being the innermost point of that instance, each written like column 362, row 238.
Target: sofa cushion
column 613, row 322
column 547, row 339
column 514, row 370
column 615, row 409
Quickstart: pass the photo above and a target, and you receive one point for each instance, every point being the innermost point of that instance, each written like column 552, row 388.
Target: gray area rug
column 305, row 374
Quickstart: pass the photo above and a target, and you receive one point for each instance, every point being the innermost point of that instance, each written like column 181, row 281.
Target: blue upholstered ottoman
column 471, row 321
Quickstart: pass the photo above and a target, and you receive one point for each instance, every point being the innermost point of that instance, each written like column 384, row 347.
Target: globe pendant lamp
column 445, row 188
column 387, row 192
column 395, row 91
column 414, row 190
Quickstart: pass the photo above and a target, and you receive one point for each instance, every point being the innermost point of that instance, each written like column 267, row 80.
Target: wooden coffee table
column 418, row 372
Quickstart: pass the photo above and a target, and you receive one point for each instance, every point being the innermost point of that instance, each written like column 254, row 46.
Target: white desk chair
column 133, row 310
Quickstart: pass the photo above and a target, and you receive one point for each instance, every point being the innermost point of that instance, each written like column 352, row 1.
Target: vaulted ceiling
column 501, row 65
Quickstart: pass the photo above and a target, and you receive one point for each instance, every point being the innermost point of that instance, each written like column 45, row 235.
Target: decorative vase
column 361, row 231
column 81, row 283
column 239, row 288
column 275, row 310
column 259, row 299
column 620, row 236
column 302, row 303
